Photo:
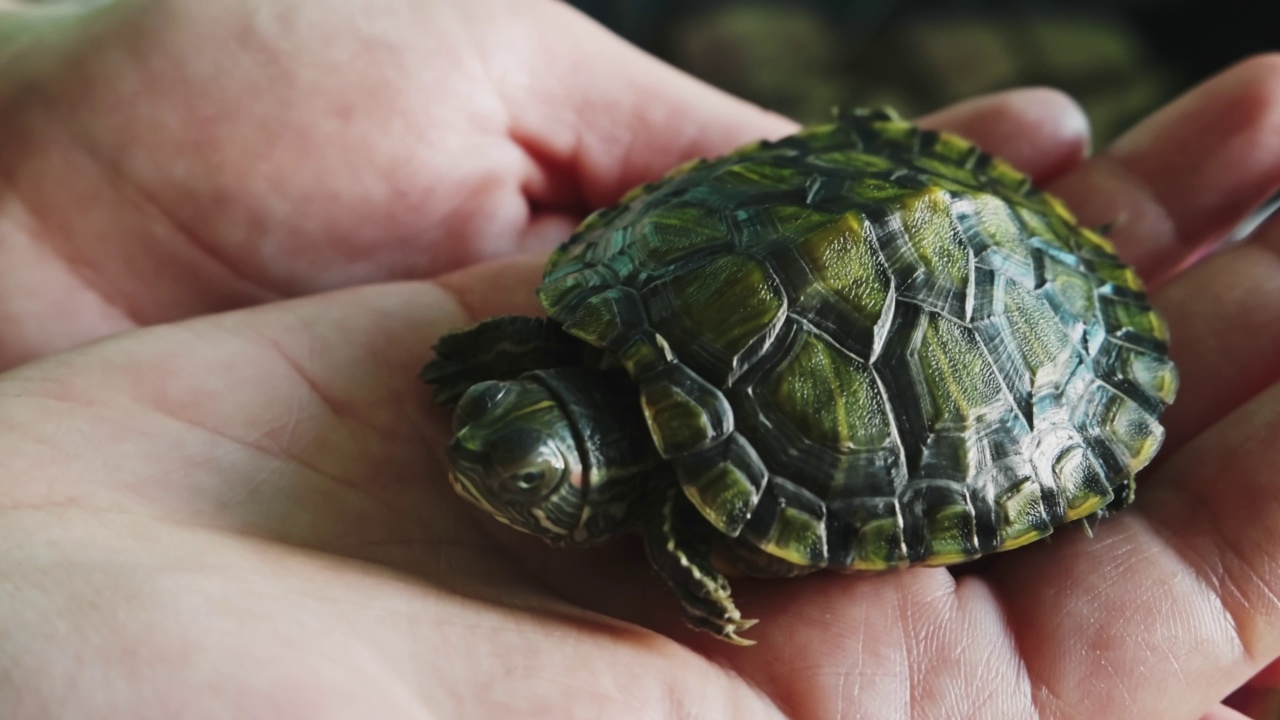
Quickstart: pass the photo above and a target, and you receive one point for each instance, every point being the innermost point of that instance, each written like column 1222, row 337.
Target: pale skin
column 242, row 511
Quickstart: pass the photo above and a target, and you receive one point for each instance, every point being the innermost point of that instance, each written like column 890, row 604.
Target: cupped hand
column 246, row 515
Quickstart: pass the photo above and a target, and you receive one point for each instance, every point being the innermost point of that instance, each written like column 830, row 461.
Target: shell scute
column 717, row 311
column 676, row 232
column 831, row 397
column 930, row 260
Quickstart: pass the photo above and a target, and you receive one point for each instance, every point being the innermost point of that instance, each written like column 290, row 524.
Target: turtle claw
column 716, row 615
column 731, row 634
column 679, row 544
column 726, row 629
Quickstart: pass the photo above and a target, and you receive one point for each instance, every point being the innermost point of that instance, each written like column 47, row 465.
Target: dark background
column 1120, row 59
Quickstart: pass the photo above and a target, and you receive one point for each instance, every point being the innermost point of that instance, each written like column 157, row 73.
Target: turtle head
column 564, row 454
column 515, row 455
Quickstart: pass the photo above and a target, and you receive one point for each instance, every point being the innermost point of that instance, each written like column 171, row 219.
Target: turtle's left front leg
column 679, row 542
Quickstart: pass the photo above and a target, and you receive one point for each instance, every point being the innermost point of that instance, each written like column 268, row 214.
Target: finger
column 1224, row 320
column 1182, row 178
column 606, row 116
column 600, row 116
column 1040, row 131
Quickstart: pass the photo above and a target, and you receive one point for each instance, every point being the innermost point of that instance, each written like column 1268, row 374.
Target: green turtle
column 858, row 348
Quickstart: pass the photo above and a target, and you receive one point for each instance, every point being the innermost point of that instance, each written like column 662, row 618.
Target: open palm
column 245, row 514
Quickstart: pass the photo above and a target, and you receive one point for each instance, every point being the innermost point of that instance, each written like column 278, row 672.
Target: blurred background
column 1119, row 58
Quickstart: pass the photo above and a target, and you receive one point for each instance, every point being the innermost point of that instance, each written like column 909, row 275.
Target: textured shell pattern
column 926, row 357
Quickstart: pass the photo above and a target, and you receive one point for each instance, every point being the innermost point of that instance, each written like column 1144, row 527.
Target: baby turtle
column 860, row 347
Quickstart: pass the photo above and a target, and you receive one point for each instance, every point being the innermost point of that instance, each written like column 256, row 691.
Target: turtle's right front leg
column 679, row 542
column 501, row 348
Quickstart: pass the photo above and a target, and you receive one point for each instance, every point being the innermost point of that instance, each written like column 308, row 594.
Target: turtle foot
column 679, row 544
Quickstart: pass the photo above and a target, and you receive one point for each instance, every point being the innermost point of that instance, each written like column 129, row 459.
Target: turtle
column 861, row 347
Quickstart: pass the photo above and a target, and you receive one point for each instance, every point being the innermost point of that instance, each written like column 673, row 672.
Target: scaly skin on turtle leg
column 501, row 348
column 679, row 543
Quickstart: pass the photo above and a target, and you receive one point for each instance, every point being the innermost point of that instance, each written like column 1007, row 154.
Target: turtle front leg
column 501, row 348
column 679, row 542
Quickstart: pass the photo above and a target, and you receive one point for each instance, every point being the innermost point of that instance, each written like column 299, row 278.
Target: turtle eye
column 538, row 474
column 527, row 480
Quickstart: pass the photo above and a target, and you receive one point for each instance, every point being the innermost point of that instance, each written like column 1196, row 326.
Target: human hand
column 246, row 514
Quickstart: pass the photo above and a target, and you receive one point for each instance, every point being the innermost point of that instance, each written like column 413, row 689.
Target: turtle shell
column 913, row 355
